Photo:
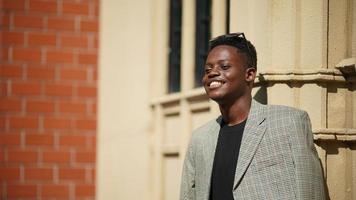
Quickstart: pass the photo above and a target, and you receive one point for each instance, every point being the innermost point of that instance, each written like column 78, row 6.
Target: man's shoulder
column 206, row 128
column 284, row 110
column 277, row 112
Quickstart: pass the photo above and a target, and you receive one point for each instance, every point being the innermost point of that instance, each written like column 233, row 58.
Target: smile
column 215, row 84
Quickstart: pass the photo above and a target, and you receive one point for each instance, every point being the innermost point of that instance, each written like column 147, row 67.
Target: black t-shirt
column 225, row 160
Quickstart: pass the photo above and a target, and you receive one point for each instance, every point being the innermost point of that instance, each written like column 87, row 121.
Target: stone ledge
column 320, row 75
column 273, row 76
column 335, row 134
column 176, row 97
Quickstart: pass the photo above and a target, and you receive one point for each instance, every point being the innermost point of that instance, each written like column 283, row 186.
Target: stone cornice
column 329, row 134
column 314, row 76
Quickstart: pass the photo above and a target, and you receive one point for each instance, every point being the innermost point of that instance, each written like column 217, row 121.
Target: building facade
column 150, row 97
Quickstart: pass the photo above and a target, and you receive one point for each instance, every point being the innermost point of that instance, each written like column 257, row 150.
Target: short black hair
column 240, row 43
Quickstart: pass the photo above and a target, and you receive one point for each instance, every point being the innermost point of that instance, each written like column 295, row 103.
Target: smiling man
column 252, row 151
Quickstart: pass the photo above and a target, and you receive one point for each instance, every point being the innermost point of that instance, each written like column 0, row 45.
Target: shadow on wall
column 327, row 196
column 261, row 95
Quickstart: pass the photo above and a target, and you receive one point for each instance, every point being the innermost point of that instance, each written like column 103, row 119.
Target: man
column 252, row 151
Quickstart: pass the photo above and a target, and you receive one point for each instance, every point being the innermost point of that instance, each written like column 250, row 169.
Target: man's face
column 226, row 76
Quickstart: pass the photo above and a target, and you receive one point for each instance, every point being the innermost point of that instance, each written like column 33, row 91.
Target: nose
column 214, row 72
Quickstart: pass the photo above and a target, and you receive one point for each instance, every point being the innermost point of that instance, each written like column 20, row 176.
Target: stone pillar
column 299, row 44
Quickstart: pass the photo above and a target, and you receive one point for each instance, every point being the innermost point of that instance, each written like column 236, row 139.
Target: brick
column 21, row 190
column 2, row 158
column 38, row 174
column 89, row 25
column 94, row 108
column 27, row 54
column 96, row 9
column 88, row 58
column 87, row 190
column 58, row 90
column 85, row 157
column 22, row 156
column 4, row 54
column 43, row 6
column 75, row 8
column 11, row 37
column 87, row 124
column 54, row 191
column 96, row 42
column 93, row 175
column 41, row 73
column 57, row 123
column 3, row 88
column 87, row 91
column 4, row 19
column 10, row 139
column 74, row 41
column 72, row 107
column 95, row 74
column 23, row 122
column 2, row 122
column 59, row 57
column 56, row 157
column 28, row 21
column 73, row 140
column 39, row 106
column 72, row 174
column 92, row 142
column 14, row 4
column 61, row 24
column 42, row 39
column 39, row 139
column 9, row 173
column 10, row 71
column 73, row 74
column 26, row 88
column 10, row 105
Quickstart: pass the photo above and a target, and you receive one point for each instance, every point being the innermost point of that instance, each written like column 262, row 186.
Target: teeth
column 215, row 84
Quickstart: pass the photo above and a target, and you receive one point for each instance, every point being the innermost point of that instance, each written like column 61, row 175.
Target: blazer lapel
column 254, row 130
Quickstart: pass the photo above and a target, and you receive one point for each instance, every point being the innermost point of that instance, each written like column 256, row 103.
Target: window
column 203, row 21
column 175, row 32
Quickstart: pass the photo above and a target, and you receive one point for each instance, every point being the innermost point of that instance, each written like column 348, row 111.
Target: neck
column 237, row 111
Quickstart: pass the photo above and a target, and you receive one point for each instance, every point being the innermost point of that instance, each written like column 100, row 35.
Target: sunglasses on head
column 239, row 36
column 230, row 35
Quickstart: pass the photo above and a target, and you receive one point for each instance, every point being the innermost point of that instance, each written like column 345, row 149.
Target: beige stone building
column 150, row 99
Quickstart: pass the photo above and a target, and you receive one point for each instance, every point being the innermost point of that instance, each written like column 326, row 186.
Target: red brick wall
column 48, row 98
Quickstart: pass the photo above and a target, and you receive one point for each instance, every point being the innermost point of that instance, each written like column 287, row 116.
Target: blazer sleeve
column 187, row 190
column 308, row 171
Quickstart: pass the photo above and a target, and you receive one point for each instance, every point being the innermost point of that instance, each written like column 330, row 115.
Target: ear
column 250, row 74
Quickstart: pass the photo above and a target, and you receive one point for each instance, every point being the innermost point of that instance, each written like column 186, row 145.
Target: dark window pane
column 227, row 16
column 203, row 21
column 175, row 30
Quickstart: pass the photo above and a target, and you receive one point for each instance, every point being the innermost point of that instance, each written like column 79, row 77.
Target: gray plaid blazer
column 277, row 159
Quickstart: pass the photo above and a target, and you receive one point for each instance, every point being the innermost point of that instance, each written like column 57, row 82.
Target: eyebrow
column 219, row 61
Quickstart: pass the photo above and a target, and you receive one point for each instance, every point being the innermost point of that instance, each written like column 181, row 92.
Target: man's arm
column 309, row 176
column 187, row 190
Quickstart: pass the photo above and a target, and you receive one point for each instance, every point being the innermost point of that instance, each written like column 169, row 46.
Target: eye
column 207, row 69
column 225, row 67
